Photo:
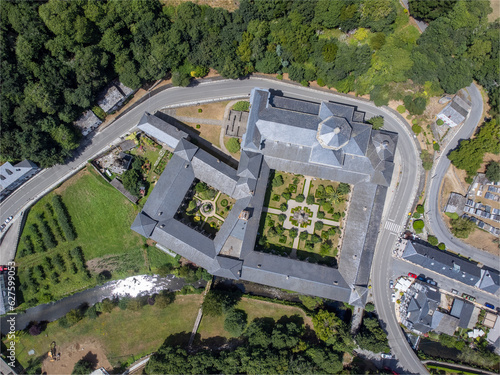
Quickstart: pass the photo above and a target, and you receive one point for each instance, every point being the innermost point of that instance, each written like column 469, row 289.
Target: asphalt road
column 405, row 184
column 437, row 225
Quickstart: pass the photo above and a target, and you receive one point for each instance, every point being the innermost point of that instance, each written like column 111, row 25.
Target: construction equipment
column 52, row 352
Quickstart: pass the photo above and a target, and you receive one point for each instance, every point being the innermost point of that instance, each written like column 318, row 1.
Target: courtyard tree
column 283, row 207
column 278, row 181
column 300, row 198
column 233, row 145
column 281, row 217
column 310, row 199
column 318, row 225
column 432, row 240
column 418, row 225
column 304, row 235
column 293, row 233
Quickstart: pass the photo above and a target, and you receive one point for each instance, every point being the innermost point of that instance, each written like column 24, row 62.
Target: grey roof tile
column 143, row 225
column 161, row 130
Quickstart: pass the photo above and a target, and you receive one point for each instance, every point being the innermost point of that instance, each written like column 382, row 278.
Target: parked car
column 393, row 297
column 432, row 282
column 386, row 356
column 421, row 278
column 8, row 219
column 391, row 284
column 2, row 227
column 469, row 298
column 412, row 275
column 489, row 305
column 454, row 291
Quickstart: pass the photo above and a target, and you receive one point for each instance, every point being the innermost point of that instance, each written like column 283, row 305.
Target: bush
column 377, row 122
column 293, row 233
column 200, row 110
column 303, row 235
column 420, row 209
column 320, row 82
column 164, row 299
column 417, row 129
column 82, row 367
column 493, row 171
column 318, row 225
column 233, row 145
column 370, row 307
column 235, row 322
column 283, row 207
column 401, row 109
column 427, row 160
column 310, row 199
column 416, row 106
column 198, row 126
column 432, row 240
column 281, row 217
column 442, row 246
column 452, row 215
column 436, row 146
column 47, row 235
column 300, row 198
column 418, row 225
column 462, row 227
column 107, row 305
column 321, row 215
column 224, row 203
column 278, row 181
column 243, row 106
column 35, row 329
column 63, row 218
column 439, row 122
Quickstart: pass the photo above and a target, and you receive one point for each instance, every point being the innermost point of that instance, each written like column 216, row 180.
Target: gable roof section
column 10, row 174
column 143, row 225
column 161, row 130
column 249, row 165
column 442, row 262
column 490, row 280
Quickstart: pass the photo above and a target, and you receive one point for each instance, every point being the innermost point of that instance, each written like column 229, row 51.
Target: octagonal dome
column 334, row 133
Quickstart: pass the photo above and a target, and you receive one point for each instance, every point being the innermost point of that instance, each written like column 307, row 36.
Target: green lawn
column 101, row 217
column 211, row 326
column 122, row 333
column 224, row 210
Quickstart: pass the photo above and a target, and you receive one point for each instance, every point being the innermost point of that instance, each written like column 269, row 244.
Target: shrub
column 303, row 235
column 283, row 207
column 164, row 299
column 420, row 209
column 198, row 126
column 493, row 171
column 432, row 240
column 427, row 160
column 300, row 198
column 107, row 305
column 235, row 322
column 436, row 146
column 320, row 82
column 401, row 109
column 321, row 215
column 452, row 215
column 418, row 225
column 281, row 217
column 99, row 112
column 82, row 367
column 233, row 145
column 416, row 106
column 370, row 307
column 37, row 238
column 48, row 236
column 223, row 203
column 318, row 225
column 63, row 218
column 416, row 215
column 377, row 122
column 310, row 199
column 336, row 216
column 442, row 246
column 278, row 181
column 293, row 233
column 276, row 198
column 200, row 110
column 279, row 76
column 287, row 196
column 243, row 106
column 417, row 129
column 439, row 122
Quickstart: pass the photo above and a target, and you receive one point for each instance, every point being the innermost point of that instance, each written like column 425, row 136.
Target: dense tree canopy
column 57, row 56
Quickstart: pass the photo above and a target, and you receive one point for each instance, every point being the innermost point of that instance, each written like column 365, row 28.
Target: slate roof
column 324, row 140
column 422, row 310
column 12, row 175
column 87, row 122
column 110, row 98
column 442, row 262
column 463, row 311
column 161, row 130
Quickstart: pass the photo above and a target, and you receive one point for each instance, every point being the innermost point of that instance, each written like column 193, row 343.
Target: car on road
column 391, row 284
column 393, row 297
column 8, row 219
column 2, row 227
column 489, row 305
column 412, row 275
column 431, row 282
column 386, row 356
column 469, row 298
column 421, row 278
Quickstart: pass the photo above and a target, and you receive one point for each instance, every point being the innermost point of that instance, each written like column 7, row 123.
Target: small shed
column 87, row 122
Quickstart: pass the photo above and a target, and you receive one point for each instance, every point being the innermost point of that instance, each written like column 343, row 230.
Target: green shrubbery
column 418, row 225
column 233, row 145
column 63, row 218
column 242, row 106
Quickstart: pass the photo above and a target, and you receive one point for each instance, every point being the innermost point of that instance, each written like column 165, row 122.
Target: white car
column 386, row 356
column 393, row 297
column 391, row 284
column 8, row 219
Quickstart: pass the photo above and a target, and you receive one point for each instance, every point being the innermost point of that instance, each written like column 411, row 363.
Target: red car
column 412, row 275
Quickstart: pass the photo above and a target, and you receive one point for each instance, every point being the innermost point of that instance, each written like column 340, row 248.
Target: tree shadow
column 297, row 319
column 178, row 339
column 92, row 359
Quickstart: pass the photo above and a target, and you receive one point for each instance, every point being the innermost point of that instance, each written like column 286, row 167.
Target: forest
column 57, row 56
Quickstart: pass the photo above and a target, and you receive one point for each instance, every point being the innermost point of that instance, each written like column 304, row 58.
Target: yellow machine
column 52, row 352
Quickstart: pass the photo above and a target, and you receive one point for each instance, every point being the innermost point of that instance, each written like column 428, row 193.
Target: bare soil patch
column 209, row 132
column 453, row 182
column 495, row 4
column 90, row 349
column 214, row 111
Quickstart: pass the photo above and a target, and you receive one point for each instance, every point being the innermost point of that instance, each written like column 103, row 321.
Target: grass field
column 209, row 132
column 288, row 179
column 122, row 333
column 214, row 111
column 101, row 217
column 214, row 326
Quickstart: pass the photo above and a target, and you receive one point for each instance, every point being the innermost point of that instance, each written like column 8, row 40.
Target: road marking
column 393, row 227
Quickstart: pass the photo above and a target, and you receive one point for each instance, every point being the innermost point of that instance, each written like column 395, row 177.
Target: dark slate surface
column 161, row 130
column 442, row 262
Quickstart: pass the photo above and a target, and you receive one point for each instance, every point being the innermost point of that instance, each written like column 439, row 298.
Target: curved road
column 437, row 225
column 402, row 193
